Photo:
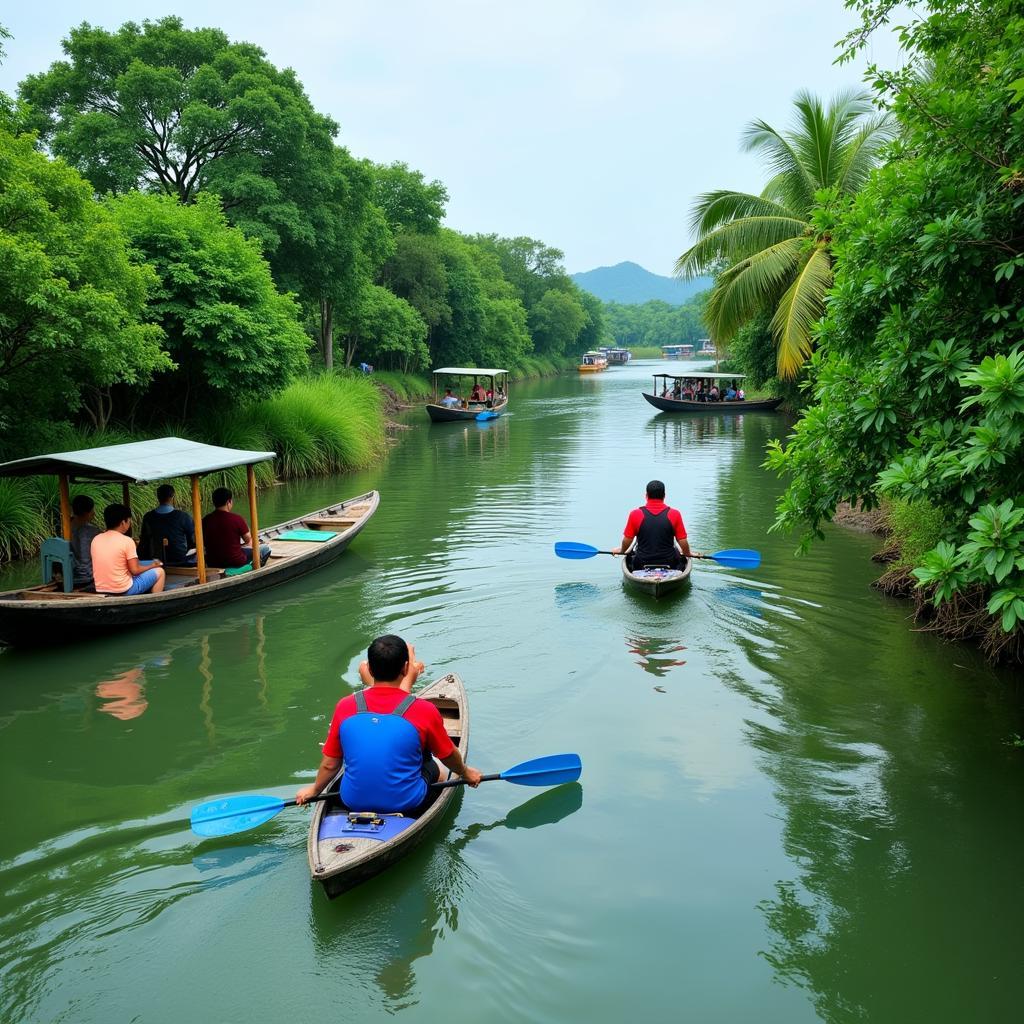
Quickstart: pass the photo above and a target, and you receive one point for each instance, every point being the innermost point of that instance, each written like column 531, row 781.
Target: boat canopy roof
column 702, row 376
column 138, row 462
column 469, row 371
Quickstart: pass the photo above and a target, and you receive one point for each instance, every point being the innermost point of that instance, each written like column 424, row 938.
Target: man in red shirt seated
column 387, row 738
column 657, row 528
column 225, row 533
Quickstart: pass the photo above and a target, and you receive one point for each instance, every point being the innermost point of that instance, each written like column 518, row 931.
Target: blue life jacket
column 383, row 760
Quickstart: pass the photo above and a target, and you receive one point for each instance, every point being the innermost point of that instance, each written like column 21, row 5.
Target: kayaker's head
column 118, row 517
column 656, row 490
column 388, row 658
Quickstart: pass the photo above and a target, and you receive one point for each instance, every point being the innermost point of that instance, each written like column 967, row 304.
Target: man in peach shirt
column 116, row 568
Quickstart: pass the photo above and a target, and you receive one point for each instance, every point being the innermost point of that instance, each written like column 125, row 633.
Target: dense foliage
column 656, row 323
column 918, row 380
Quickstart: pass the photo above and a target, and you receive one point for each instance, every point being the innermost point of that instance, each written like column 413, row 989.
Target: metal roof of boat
column 471, row 371
column 702, row 376
column 138, row 462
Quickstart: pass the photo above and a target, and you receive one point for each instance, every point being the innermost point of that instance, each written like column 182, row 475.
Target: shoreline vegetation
column 189, row 250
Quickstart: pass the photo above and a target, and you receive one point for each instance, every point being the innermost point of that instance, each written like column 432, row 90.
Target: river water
column 793, row 807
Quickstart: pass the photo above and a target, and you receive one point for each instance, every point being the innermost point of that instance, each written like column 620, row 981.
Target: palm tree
column 775, row 259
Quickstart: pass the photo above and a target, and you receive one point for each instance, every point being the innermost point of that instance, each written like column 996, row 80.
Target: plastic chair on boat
column 57, row 551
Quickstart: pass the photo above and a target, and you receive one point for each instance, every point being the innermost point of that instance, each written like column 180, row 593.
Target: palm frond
column 750, row 286
column 712, row 209
column 738, row 240
column 784, row 161
column 799, row 310
column 862, row 149
column 822, row 134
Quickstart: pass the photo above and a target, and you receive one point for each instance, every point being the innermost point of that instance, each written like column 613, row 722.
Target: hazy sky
column 590, row 125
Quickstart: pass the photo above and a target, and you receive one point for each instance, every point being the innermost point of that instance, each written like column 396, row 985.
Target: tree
column 416, row 272
column 529, row 265
column 556, row 322
column 409, row 201
column 71, row 299
column 594, row 332
column 168, row 109
column 918, row 381
column 455, row 340
column 777, row 245
column 232, row 334
column 388, row 331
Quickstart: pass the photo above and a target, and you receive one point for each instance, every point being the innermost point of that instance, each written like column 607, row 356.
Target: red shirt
column 383, row 700
column 636, row 517
column 222, row 537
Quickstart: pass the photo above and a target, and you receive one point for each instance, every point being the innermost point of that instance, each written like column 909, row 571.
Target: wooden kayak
column 47, row 615
column 658, row 582
column 346, row 848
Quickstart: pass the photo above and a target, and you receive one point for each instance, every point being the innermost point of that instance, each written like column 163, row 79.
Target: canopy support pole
column 197, row 518
column 250, row 477
column 65, row 506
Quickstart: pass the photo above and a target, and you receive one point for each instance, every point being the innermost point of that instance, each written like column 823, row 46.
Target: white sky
column 586, row 123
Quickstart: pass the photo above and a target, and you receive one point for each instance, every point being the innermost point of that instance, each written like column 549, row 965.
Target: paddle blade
column 570, row 549
column 738, row 558
column 488, row 415
column 545, row 771
column 234, row 814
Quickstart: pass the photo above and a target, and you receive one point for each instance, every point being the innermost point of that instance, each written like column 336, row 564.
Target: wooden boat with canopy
column 456, row 378
column 347, row 845
column 593, row 362
column 55, row 612
column 700, row 384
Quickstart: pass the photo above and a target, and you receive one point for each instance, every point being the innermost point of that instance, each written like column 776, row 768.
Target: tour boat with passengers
column 593, row 362
column 57, row 611
column 692, row 392
column 449, row 404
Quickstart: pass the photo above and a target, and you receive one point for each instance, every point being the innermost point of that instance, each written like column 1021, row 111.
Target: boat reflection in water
column 393, row 920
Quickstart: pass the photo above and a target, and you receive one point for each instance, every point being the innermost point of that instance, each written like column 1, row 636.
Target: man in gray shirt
column 82, row 532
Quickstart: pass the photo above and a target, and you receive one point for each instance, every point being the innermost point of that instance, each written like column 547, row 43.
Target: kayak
column 658, row 582
column 347, row 845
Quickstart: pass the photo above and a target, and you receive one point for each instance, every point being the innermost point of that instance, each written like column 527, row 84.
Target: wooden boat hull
column 337, row 869
column 658, row 583
column 45, row 616
column 442, row 414
column 591, row 369
column 682, row 405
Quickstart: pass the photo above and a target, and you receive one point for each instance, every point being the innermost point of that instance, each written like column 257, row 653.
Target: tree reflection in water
column 381, row 928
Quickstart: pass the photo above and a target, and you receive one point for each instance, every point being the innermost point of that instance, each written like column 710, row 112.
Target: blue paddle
column 240, row 813
column 734, row 558
column 487, row 414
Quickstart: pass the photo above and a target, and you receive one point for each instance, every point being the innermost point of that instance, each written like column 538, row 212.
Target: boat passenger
column 655, row 526
column 116, row 567
column 730, row 394
column 386, row 738
column 478, row 394
column 83, row 529
column 168, row 531
column 714, row 395
column 226, row 536
column 450, row 401
column 677, row 390
column 740, row 395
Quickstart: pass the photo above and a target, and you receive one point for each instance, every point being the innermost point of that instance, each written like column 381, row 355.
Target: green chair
column 57, row 551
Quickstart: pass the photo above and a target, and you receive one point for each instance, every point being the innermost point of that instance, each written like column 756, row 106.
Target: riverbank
column 907, row 530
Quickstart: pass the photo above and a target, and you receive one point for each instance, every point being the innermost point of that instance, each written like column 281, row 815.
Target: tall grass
column 23, row 524
column 406, row 387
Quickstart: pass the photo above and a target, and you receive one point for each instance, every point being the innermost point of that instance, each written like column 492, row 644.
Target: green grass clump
column 406, row 387
column 916, row 527
column 23, row 522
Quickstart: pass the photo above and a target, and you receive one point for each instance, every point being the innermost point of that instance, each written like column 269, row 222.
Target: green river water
column 793, row 807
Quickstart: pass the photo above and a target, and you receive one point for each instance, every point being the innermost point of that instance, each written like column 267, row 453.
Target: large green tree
column 387, row 332
column 918, row 382
column 556, row 322
column 232, row 334
column 409, row 201
column 776, row 246
column 71, row 299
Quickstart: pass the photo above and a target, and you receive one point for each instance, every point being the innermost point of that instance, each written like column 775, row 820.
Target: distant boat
column 666, row 403
column 677, row 351
column 593, row 362
column 618, row 356
column 466, row 408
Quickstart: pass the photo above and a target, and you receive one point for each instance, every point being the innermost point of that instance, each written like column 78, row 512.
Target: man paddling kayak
column 386, row 737
column 655, row 526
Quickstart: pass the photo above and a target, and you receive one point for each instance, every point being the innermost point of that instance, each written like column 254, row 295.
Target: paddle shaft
column 462, row 782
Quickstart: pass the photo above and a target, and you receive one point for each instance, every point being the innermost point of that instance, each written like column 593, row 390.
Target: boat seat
column 54, row 595
column 330, row 521
column 56, row 551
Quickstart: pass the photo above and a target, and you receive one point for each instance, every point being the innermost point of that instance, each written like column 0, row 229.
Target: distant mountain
column 630, row 284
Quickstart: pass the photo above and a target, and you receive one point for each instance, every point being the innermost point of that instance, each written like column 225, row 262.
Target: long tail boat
column 50, row 614
column 467, row 409
column 666, row 403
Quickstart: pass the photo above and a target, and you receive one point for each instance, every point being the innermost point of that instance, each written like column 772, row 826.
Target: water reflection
column 124, row 694
column 648, row 649
column 573, row 598
column 381, row 928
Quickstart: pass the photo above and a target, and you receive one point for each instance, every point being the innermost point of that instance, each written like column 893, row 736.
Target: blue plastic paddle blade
column 234, row 814
column 570, row 549
column 487, row 415
column 738, row 558
column 545, row 771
